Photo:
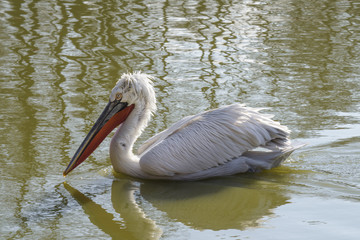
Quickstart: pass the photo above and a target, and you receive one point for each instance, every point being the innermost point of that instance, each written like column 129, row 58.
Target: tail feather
column 259, row 160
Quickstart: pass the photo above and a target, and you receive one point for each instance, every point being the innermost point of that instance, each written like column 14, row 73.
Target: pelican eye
column 118, row 96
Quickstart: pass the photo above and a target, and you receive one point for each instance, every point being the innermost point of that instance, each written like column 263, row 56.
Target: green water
column 59, row 60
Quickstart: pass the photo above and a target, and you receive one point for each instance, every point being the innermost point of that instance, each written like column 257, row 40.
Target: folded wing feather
column 210, row 139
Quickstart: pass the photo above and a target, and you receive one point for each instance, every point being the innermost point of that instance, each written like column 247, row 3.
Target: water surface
column 59, row 60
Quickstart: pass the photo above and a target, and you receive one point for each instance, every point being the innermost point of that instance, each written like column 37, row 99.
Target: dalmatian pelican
column 225, row 141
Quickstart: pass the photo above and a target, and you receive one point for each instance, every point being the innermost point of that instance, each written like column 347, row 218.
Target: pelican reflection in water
column 225, row 141
column 230, row 203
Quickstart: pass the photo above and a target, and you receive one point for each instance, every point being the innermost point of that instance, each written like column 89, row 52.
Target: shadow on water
column 216, row 204
column 213, row 204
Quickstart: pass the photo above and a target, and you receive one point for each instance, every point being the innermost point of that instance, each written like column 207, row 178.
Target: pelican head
column 131, row 91
column 135, row 88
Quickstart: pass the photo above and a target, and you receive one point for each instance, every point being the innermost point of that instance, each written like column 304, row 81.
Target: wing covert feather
column 209, row 139
column 148, row 144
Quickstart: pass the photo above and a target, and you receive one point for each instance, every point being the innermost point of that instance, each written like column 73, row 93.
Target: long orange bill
column 113, row 115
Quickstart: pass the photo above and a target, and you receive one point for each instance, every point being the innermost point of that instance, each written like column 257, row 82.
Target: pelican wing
column 164, row 134
column 210, row 139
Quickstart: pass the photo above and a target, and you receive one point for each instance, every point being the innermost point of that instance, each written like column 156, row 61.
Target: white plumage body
column 225, row 141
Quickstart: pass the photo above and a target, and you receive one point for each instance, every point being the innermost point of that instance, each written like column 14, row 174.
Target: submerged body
column 225, row 141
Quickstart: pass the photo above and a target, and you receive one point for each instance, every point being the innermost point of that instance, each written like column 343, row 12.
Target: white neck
column 121, row 148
